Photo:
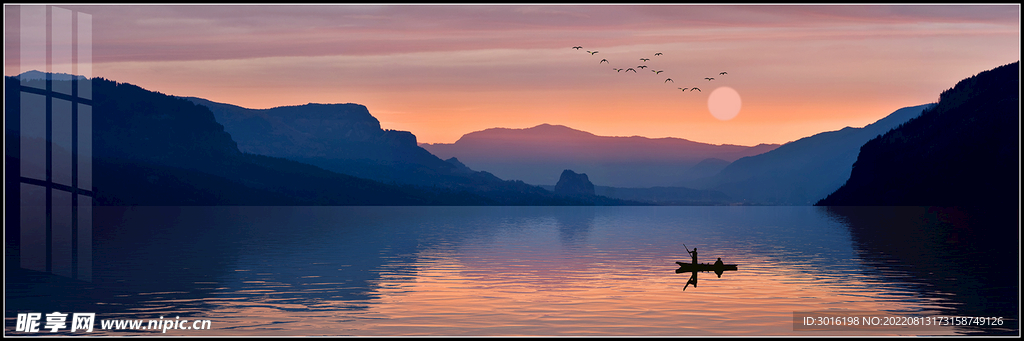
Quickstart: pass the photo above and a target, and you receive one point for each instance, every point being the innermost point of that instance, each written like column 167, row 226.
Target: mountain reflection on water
column 971, row 254
column 570, row 271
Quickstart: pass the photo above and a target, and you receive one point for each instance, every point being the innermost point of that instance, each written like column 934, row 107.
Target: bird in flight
column 592, row 52
column 723, row 73
column 642, row 66
column 709, row 78
column 669, row 79
column 657, row 54
column 577, row 47
column 645, row 59
column 684, row 89
column 698, row 89
column 631, row 69
column 657, row 72
column 617, row 70
column 603, row 61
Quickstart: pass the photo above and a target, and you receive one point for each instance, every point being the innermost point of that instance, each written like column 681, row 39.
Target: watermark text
column 86, row 322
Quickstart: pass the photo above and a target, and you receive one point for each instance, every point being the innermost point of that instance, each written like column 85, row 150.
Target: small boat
column 705, row 267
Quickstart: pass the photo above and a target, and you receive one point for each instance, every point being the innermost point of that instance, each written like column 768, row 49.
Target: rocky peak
column 572, row 184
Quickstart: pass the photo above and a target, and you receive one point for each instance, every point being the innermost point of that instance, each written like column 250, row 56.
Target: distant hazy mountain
column 344, row 138
column 537, row 155
column 962, row 152
column 347, row 139
column 39, row 75
column 803, row 171
column 668, row 196
column 663, row 196
column 707, row 168
column 316, row 130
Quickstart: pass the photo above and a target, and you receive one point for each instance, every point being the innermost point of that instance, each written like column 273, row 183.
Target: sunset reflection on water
column 476, row 296
column 532, row 282
column 522, row 272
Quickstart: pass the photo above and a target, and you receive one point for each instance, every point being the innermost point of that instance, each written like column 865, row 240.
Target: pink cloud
column 444, row 70
column 197, row 32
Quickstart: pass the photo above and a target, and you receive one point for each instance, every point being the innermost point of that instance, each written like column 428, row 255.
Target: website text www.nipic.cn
column 86, row 322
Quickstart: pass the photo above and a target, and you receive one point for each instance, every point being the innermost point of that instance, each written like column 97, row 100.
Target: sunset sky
column 441, row 71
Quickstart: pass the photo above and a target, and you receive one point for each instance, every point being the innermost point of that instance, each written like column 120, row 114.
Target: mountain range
column 150, row 148
column 964, row 151
column 537, row 155
column 155, row 149
column 939, row 190
column 672, row 170
column 803, row 171
column 347, row 139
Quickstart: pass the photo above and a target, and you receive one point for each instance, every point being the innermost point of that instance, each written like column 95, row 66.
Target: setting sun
column 724, row 103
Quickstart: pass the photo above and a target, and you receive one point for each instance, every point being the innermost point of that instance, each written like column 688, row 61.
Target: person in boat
column 718, row 262
column 694, row 254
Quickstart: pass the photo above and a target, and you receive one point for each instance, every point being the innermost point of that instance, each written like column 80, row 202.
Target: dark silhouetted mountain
column 802, row 171
column 572, row 184
column 964, row 151
column 536, row 154
column 955, row 173
column 153, row 149
column 347, row 139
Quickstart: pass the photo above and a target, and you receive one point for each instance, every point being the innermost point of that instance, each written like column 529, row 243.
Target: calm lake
column 544, row 271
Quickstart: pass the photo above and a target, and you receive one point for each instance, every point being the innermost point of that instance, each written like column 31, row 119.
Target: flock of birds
column 656, row 72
